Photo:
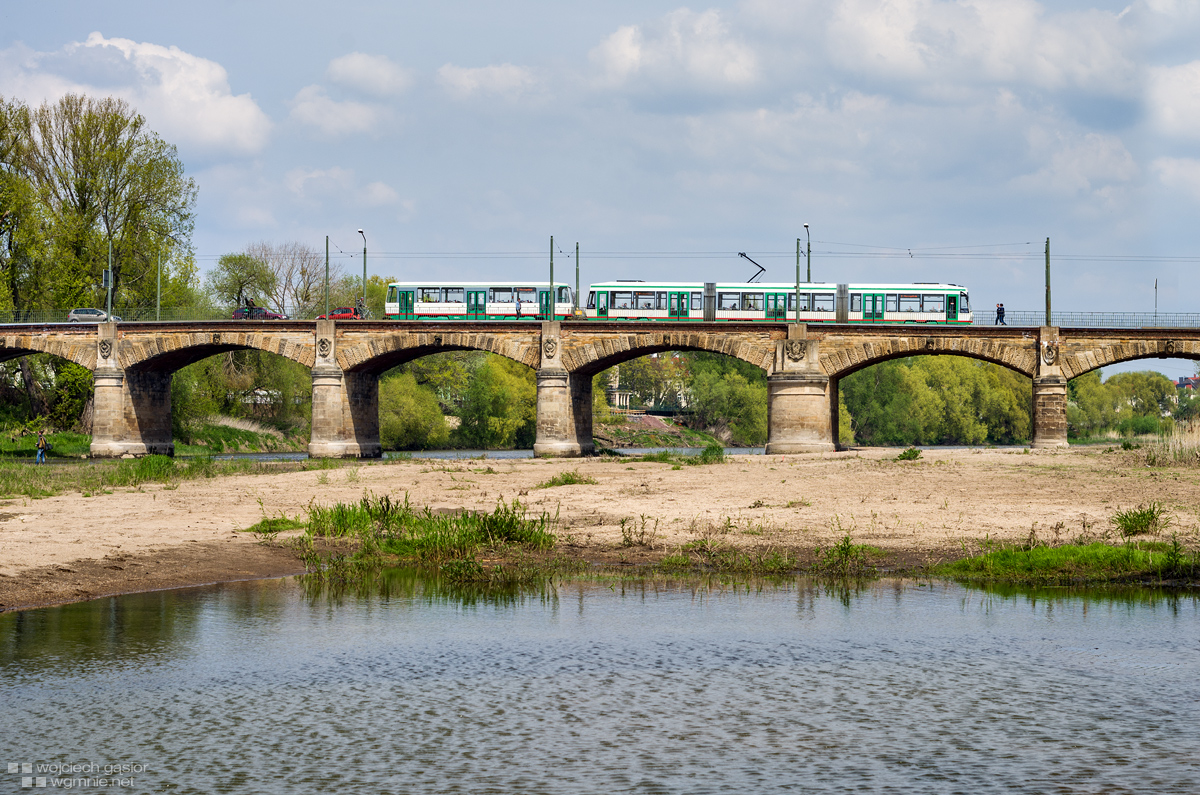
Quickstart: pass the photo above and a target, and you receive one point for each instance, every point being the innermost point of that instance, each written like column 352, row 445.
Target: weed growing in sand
column 569, row 478
column 635, row 534
column 845, row 559
column 911, row 454
column 1143, row 520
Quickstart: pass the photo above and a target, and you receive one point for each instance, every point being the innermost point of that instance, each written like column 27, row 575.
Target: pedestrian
column 1000, row 315
column 42, row 445
column 518, row 306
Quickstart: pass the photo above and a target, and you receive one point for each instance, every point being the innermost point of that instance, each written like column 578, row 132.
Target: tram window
column 910, row 303
column 697, row 302
column 527, row 294
column 822, row 302
column 661, row 299
column 500, row 295
column 964, row 304
column 891, row 302
column 753, row 302
column 728, row 301
column 934, row 303
column 564, row 295
column 591, row 304
column 855, row 302
column 643, row 299
column 430, row 295
column 622, row 300
column 393, row 293
column 454, row 295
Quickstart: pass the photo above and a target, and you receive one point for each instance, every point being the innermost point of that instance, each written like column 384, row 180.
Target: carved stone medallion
column 216, row 338
column 106, row 348
column 1169, row 347
column 796, row 350
column 930, row 343
column 549, row 347
column 1050, row 351
column 324, row 346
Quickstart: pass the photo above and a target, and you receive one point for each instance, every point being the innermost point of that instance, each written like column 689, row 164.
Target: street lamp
column 809, row 235
column 364, row 284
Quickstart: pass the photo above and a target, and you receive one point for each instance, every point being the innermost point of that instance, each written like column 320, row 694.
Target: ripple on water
column 255, row 687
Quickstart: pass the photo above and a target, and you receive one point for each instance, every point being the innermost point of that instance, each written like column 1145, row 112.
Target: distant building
column 1187, row 382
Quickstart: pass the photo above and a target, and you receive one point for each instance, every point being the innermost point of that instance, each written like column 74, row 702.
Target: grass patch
column 712, row 555
column 383, row 530
column 845, row 559
column 713, row 454
column 570, row 478
column 911, row 454
column 1147, row 519
column 62, row 445
column 1078, row 563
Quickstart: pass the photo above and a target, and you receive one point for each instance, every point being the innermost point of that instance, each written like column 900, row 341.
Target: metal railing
column 1094, row 319
column 1018, row 318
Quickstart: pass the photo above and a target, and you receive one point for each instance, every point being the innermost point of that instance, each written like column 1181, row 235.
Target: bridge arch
column 593, row 355
column 840, row 358
column 81, row 351
column 1081, row 356
column 383, row 352
column 167, row 353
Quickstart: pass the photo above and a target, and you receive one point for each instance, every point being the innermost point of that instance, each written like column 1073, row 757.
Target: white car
column 85, row 315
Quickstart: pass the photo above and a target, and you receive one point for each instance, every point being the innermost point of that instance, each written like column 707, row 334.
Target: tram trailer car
column 819, row 302
column 477, row 301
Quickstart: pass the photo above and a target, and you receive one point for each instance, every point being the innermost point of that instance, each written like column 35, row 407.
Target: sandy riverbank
column 71, row 547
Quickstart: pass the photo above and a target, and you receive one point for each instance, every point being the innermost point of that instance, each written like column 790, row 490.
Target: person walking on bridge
column 1000, row 315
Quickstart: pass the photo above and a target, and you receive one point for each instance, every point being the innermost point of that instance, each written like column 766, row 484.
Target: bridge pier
column 131, row 408
column 801, row 399
column 345, row 405
column 564, row 403
column 1049, row 393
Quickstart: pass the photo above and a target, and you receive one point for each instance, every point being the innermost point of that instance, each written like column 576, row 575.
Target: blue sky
column 960, row 130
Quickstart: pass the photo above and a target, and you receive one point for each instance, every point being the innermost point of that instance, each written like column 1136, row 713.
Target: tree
column 298, row 276
column 241, row 276
column 500, row 406
column 102, row 177
column 409, row 416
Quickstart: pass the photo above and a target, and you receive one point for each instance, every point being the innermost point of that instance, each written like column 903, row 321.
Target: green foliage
column 1129, row 403
column 251, row 384
column 911, row 454
column 1073, row 563
column 570, row 478
column 409, row 415
column 730, row 399
column 713, row 454
column 937, row 400
column 238, row 277
column 845, row 559
column 499, row 408
column 1144, row 519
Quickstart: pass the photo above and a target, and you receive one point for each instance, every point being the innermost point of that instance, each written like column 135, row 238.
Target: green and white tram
column 819, row 302
column 477, row 301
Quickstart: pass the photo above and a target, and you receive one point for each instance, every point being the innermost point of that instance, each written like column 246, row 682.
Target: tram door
column 602, row 304
column 406, row 304
column 476, row 303
column 544, row 306
column 677, row 304
column 951, row 307
column 873, row 306
column 776, row 306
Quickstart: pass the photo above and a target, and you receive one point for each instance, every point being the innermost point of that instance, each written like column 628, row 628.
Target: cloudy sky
column 964, row 133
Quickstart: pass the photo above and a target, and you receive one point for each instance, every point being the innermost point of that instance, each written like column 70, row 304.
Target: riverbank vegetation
column 1150, row 562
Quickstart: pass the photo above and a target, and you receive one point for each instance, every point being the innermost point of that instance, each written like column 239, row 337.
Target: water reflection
column 420, row 684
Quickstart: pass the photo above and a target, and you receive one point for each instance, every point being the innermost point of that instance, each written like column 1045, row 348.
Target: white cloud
column 378, row 194
column 185, row 98
column 1174, row 99
column 314, row 107
column 1179, row 173
column 497, row 79
column 939, row 43
column 1095, row 164
column 370, row 74
column 682, row 49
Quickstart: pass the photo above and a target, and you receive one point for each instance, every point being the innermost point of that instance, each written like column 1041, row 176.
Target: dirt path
column 72, row 547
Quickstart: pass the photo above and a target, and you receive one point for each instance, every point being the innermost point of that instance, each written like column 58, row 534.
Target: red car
column 343, row 313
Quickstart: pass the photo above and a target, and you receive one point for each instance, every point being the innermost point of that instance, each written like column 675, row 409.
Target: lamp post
column 364, row 285
column 809, row 236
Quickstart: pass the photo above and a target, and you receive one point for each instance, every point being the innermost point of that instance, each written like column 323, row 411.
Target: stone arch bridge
column 133, row 364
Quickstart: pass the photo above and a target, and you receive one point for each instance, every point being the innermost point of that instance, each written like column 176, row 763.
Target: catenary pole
column 551, row 277
column 326, row 277
column 110, row 281
column 797, row 281
column 577, row 275
column 1048, row 281
column 809, row 236
column 158, row 292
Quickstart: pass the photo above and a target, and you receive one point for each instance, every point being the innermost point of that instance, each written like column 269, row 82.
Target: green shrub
column 571, row 478
column 911, row 454
column 1142, row 520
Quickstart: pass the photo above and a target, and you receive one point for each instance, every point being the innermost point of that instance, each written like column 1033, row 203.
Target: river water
column 586, row 687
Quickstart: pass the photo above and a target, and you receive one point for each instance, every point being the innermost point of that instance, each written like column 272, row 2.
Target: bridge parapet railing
column 1094, row 319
